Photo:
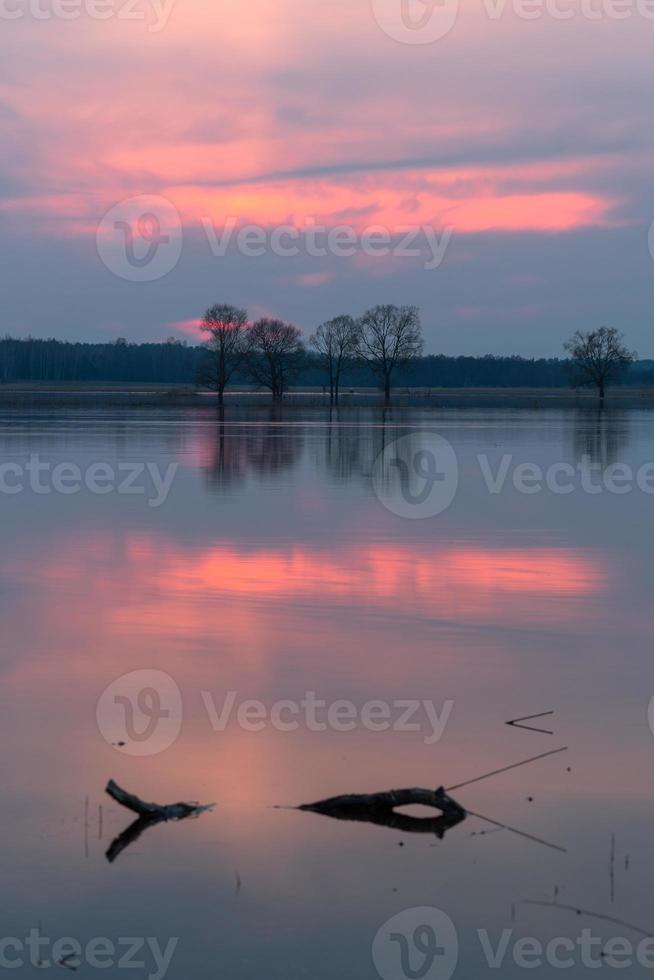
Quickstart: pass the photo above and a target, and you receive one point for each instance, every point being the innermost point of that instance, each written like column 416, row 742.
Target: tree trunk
column 387, row 391
column 601, row 391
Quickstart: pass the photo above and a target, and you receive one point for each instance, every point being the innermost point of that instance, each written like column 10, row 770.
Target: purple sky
column 509, row 155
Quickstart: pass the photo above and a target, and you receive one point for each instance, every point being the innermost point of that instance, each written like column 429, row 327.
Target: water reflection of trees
column 265, row 449
column 340, row 446
column 343, row 445
column 342, row 451
column 352, row 441
column 600, row 435
column 225, row 460
column 275, row 447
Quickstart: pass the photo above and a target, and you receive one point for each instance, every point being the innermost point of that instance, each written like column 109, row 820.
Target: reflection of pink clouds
column 144, row 589
column 426, row 578
column 180, row 591
column 219, row 617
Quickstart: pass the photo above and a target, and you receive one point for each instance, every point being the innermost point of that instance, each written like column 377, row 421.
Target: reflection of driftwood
column 149, row 815
column 595, row 915
column 380, row 808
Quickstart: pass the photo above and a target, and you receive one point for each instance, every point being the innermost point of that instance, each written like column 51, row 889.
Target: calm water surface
column 271, row 570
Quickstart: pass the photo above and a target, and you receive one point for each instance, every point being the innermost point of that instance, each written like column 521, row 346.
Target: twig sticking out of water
column 515, row 723
column 595, row 915
column 612, row 868
column 496, row 772
column 67, row 962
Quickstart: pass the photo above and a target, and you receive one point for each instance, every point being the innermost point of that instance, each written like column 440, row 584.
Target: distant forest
column 176, row 362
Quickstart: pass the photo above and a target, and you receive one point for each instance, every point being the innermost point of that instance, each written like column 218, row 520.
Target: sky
column 486, row 160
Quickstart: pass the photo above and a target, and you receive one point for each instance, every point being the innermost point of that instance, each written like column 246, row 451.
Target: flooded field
column 276, row 607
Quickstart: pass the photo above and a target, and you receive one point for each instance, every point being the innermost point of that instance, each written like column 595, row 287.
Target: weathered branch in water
column 129, row 835
column 172, row 811
column 149, row 815
column 380, row 809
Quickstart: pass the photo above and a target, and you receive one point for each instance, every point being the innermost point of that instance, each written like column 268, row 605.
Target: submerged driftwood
column 380, row 809
column 149, row 815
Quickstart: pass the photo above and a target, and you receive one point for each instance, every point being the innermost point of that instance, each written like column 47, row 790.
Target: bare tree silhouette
column 335, row 341
column 274, row 354
column 387, row 337
column 226, row 330
column 598, row 357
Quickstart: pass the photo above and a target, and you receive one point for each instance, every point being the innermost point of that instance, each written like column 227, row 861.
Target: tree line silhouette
column 383, row 348
column 272, row 353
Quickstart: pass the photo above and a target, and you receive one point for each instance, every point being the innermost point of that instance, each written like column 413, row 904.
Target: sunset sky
column 524, row 145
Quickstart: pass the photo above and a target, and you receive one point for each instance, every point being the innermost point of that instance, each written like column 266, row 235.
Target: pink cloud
column 315, row 278
column 189, row 329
